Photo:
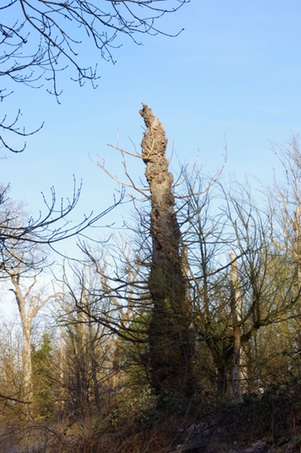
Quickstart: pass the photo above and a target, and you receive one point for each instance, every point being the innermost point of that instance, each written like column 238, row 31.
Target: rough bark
column 170, row 334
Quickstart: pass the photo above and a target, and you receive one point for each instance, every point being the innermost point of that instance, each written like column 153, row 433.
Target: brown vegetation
column 184, row 336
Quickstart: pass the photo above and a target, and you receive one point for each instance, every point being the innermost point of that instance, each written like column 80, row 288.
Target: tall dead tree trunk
column 170, row 335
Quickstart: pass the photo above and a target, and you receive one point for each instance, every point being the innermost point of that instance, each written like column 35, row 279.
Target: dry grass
column 274, row 418
column 87, row 436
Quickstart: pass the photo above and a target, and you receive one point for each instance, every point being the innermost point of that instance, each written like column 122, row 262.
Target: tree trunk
column 27, row 364
column 62, row 374
column 297, row 248
column 170, row 334
column 236, row 311
column 28, row 307
column 222, row 381
column 26, row 324
column 93, row 360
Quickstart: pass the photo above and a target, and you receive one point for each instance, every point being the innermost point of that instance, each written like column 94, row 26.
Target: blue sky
column 232, row 78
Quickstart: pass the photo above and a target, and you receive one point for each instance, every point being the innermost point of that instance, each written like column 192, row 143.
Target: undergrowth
column 138, row 425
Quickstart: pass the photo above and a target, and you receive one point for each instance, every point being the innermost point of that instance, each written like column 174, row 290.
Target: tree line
column 195, row 306
column 202, row 297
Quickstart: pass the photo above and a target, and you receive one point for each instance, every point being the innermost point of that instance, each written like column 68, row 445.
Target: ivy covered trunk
column 170, row 334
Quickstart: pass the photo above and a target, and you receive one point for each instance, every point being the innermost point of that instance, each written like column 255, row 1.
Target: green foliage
column 129, row 406
column 43, row 384
column 132, row 355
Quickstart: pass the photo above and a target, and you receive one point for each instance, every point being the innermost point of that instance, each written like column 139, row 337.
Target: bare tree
column 40, row 39
column 233, row 272
column 29, row 304
column 236, row 312
column 285, row 205
column 265, row 280
column 22, row 260
column 49, row 227
column 89, row 319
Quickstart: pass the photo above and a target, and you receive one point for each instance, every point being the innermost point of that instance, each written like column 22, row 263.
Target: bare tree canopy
column 41, row 39
column 50, row 226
